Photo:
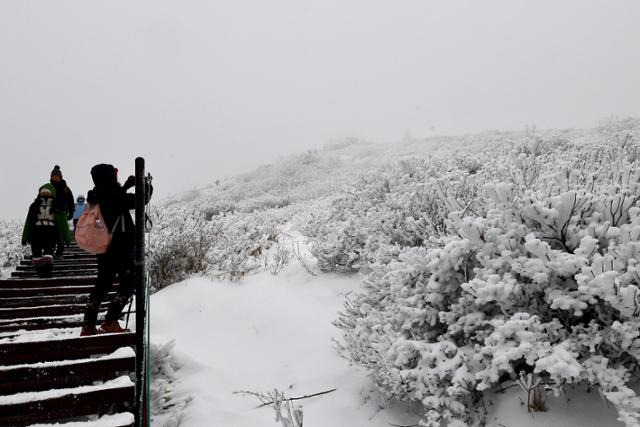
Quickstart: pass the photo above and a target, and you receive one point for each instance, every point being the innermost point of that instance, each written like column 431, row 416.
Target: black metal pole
column 141, row 398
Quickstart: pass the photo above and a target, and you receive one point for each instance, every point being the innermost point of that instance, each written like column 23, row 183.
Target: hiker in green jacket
column 44, row 228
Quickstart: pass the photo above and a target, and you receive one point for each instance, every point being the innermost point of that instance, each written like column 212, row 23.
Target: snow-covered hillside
column 485, row 279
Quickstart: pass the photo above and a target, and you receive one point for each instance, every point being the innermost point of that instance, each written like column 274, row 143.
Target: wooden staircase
column 48, row 373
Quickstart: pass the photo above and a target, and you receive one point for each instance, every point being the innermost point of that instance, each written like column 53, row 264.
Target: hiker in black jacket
column 64, row 202
column 115, row 204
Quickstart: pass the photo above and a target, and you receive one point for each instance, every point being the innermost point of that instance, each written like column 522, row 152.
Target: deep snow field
column 271, row 332
column 267, row 332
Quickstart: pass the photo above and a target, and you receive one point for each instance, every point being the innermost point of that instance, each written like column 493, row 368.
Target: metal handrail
column 141, row 410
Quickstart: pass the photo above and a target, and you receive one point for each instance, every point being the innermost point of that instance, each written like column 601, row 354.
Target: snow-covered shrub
column 180, row 241
column 185, row 242
column 218, row 207
column 11, row 250
column 287, row 413
column 164, row 402
column 278, row 260
column 401, row 205
column 540, row 282
column 243, row 245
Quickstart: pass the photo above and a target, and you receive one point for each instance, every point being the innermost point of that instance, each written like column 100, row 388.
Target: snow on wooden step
column 44, row 310
column 54, row 334
column 11, row 327
column 66, row 373
column 56, row 273
column 43, row 335
column 40, row 332
column 115, row 420
column 121, row 353
column 47, row 300
column 33, row 396
column 42, row 291
column 64, row 318
column 62, row 347
column 52, row 281
column 68, row 404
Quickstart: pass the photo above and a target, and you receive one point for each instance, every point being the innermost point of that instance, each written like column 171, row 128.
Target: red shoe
column 88, row 331
column 112, row 327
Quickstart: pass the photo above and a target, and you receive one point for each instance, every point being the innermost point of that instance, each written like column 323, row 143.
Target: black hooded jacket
column 114, row 202
column 64, row 200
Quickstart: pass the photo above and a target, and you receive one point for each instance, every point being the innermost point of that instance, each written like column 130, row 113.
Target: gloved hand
column 130, row 182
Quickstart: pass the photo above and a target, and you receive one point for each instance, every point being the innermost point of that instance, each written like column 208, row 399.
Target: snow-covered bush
column 11, row 250
column 181, row 239
column 538, row 279
column 401, row 205
column 165, row 403
column 186, row 242
column 287, row 413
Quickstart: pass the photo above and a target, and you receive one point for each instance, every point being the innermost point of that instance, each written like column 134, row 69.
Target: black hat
column 104, row 174
column 56, row 172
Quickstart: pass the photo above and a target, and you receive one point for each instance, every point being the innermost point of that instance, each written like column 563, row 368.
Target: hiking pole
column 126, row 326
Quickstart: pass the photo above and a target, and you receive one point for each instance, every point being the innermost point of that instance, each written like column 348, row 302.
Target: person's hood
column 104, row 175
column 50, row 188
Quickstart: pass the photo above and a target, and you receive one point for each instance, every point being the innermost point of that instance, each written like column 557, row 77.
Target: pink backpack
column 91, row 231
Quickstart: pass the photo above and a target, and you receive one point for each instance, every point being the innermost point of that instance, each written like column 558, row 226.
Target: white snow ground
column 271, row 332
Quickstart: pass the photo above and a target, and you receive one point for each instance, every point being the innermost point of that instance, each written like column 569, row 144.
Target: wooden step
column 48, row 291
column 73, row 256
column 123, row 419
column 68, row 256
column 98, row 402
column 60, row 265
column 68, row 251
column 30, row 273
column 44, row 311
column 56, row 273
column 40, row 377
column 35, row 282
column 50, row 300
column 64, row 349
column 14, row 327
column 33, row 292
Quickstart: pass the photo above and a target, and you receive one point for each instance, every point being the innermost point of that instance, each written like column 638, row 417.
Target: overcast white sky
column 206, row 89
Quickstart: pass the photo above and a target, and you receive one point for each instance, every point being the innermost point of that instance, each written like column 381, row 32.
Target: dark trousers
column 119, row 259
column 59, row 248
column 43, row 242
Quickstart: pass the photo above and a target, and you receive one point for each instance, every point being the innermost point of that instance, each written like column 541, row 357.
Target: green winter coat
column 62, row 222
